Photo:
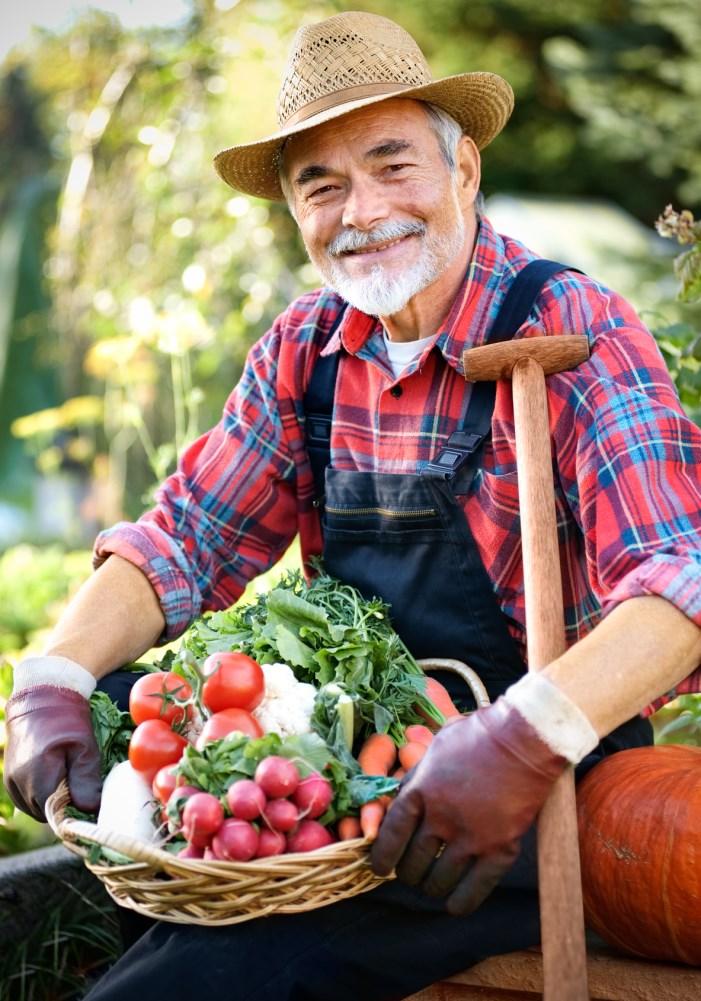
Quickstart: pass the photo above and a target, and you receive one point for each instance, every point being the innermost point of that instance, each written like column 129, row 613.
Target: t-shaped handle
column 491, row 362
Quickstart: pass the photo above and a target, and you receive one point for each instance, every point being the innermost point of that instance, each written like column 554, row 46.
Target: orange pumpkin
column 639, row 814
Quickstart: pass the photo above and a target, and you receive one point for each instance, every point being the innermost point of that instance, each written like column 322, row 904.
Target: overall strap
column 463, row 445
column 318, row 410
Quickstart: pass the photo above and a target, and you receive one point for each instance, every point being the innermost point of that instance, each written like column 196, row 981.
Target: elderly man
column 353, row 425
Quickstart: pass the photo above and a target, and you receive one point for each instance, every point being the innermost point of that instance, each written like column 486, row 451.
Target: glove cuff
column 54, row 672
column 556, row 719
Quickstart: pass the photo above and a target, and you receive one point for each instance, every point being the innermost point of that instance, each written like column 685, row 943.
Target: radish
column 246, row 799
column 271, row 843
column 235, row 841
column 175, row 805
column 309, row 836
column 202, row 817
column 313, row 795
column 277, row 776
column 190, row 851
column 281, row 815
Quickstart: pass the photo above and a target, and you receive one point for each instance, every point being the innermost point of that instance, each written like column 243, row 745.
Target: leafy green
column 113, row 729
column 328, row 633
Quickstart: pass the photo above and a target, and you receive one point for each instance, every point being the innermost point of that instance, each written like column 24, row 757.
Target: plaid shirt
column 626, row 459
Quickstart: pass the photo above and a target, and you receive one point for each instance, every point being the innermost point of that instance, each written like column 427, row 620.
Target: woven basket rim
column 219, row 892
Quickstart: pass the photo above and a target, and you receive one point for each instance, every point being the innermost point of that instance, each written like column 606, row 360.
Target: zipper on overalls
column 352, row 512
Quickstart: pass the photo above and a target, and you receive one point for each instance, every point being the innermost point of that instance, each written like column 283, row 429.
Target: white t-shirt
column 402, row 353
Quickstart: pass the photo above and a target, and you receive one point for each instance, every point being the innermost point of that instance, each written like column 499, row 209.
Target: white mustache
column 349, row 240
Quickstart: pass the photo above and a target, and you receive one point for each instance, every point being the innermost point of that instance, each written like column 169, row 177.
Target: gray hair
column 447, row 131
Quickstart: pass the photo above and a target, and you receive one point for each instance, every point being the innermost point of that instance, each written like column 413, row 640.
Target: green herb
column 328, row 633
column 113, row 729
column 220, row 763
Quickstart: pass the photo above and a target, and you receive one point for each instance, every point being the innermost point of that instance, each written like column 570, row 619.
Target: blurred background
column 133, row 281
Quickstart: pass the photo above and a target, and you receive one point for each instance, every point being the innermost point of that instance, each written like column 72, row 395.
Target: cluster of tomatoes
column 162, row 706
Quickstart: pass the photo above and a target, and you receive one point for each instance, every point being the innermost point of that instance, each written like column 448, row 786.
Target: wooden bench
column 518, row 976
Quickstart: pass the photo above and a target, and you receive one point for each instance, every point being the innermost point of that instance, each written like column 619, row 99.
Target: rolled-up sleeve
column 630, row 466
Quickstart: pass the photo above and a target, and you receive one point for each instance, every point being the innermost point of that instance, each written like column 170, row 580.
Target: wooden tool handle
column 496, row 361
column 559, row 878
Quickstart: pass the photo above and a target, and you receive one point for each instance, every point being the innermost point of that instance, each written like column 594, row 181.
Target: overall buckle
column 459, row 448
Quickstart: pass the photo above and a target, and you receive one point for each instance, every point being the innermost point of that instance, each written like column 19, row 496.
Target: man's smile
column 377, row 248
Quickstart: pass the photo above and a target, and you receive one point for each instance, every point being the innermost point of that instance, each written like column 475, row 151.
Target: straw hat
column 348, row 61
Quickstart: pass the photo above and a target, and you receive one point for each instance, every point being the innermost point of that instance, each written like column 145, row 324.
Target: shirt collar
column 468, row 319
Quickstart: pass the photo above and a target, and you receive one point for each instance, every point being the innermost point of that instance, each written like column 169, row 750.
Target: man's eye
column 394, row 168
column 324, row 190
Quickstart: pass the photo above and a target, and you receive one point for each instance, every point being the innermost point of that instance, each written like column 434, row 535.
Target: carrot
column 438, row 694
column 410, row 754
column 371, row 815
column 419, row 734
column 377, row 754
column 399, row 773
column 348, row 828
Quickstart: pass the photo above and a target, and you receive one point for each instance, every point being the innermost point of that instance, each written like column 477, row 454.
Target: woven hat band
column 341, row 97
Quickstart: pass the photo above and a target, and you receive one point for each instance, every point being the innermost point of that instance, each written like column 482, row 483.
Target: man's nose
column 366, row 205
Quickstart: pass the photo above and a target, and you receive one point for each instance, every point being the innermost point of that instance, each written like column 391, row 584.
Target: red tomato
column 228, row 721
column 153, row 745
column 234, row 680
column 156, row 696
column 164, row 783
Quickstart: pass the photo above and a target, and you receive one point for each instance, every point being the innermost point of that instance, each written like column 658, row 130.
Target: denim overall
column 404, row 538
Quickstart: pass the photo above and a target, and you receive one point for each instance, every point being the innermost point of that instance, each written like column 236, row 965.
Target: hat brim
column 480, row 102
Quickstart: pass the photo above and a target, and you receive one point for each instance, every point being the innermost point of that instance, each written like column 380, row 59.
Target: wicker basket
column 192, row 891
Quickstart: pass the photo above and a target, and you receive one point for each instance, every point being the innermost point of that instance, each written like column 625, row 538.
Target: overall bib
column 404, row 538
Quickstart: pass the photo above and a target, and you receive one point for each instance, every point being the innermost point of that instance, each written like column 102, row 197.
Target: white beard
column 380, row 294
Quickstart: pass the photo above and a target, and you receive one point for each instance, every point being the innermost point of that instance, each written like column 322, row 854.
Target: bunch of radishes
column 274, row 812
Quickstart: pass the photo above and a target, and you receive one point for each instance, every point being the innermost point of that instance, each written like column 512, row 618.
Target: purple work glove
column 455, row 826
column 50, row 737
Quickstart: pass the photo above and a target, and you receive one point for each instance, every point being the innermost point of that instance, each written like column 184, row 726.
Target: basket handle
column 468, row 675
column 71, row 830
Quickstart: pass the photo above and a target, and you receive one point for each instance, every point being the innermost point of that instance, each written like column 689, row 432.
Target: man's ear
column 468, row 163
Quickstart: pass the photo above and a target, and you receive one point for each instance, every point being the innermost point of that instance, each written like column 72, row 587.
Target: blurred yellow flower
column 74, row 412
column 183, row 329
column 107, row 355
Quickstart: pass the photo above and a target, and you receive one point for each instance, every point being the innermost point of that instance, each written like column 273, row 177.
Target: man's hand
column 455, row 826
column 50, row 737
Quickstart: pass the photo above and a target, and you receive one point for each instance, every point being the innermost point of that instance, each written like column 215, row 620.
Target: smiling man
column 385, row 214
column 353, row 426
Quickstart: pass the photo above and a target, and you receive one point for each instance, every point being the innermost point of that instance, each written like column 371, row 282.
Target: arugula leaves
column 328, row 633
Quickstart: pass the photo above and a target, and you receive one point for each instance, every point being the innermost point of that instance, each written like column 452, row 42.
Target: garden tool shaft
column 526, row 362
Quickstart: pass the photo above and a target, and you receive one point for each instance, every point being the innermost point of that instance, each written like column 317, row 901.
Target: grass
column 69, row 946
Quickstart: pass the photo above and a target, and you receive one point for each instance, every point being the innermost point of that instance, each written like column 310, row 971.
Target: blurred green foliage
column 680, row 342
column 151, row 278
column 679, row 722
column 34, row 583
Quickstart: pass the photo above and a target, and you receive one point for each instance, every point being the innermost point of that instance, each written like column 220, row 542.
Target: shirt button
column 396, row 391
